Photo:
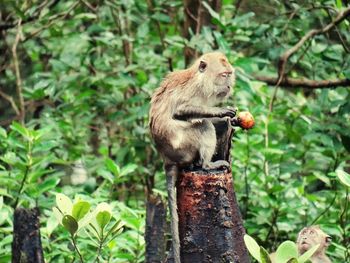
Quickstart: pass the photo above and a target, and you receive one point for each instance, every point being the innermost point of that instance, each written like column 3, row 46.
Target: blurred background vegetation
column 76, row 78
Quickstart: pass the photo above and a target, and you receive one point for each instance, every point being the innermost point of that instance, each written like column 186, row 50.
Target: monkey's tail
column 172, row 172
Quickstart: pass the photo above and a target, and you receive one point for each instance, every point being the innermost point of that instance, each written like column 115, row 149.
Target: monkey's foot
column 216, row 165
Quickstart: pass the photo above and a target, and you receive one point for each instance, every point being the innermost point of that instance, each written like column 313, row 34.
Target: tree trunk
column 26, row 245
column 196, row 16
column 155, row 230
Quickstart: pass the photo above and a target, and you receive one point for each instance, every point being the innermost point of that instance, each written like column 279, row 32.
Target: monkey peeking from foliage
column 182, row 116
column 311, row 236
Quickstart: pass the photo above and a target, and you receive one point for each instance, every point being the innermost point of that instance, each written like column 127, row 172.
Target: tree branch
column 286, row 55
column 161, row 33
column 11, row 101
column 305, row 83
column 52, row 20
column 18, row 73
column 31, row 18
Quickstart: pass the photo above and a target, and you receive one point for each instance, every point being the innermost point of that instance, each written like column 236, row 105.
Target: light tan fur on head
column 311, row 236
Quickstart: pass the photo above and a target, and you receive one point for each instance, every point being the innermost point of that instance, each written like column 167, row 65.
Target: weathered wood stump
column 155, row 229
column 26, row 245
column 210, row 223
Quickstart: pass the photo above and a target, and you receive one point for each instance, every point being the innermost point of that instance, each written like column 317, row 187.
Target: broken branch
column 286, row 55
column 305, row 83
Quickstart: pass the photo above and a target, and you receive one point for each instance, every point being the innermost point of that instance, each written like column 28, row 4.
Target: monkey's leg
column 171, row 178
column 208, row 146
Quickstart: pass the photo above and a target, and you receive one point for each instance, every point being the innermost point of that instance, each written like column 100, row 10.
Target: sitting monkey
column 182, row 114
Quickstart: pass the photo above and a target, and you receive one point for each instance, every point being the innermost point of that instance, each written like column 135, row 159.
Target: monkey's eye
column 202, row 66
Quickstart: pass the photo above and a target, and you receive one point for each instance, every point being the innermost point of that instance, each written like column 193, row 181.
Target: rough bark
column 210, row 223
column 26, row 245
column 155, row 230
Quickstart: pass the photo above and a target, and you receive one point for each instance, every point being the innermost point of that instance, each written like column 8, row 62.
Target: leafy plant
column 76, row 217
column 27, row 156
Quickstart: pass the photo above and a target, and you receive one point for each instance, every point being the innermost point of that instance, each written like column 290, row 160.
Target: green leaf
column 220, row 40
column 112, row 167
column 48, row 184
column 264, row 255
column 15, row 126
column 116, row 228
column 3, row 133
column 80, row 209
column 11, row 159
column 36, row 174
column 344, row 177
column 318, row 47
column 51, row 224
column 103, row 218
column 214, row 14
column 161, row 17
column 64, row 204
column 339, row 4
column 70, row 224
column 253, row 247
column 57, row 214
column 129, row 168
column 245, row 17
column 293, row 260
column 18, row 10
column 286, row 251
column 308, row 254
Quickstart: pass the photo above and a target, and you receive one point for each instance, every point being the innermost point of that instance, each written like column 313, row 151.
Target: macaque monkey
column 311, row 236
column 181, row 121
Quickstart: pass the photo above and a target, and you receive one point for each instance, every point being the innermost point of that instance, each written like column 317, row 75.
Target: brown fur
column 188, row 87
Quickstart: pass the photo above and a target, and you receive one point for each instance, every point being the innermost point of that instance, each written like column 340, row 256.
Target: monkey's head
column 311, row 236
column 216, row 76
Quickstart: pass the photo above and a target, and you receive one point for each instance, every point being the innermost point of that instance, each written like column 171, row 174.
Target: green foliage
column 87, row 71
column 27, row 161
column 77, row 217
column 70, row 224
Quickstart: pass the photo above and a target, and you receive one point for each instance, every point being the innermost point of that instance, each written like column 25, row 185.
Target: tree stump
column 210, row 223
column 155, row 229
column 26, row 245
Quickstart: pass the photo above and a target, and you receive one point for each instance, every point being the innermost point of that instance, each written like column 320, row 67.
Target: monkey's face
column 311, row 236
column 217, row 75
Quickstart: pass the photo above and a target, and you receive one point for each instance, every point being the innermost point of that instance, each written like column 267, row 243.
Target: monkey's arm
column 186, row 112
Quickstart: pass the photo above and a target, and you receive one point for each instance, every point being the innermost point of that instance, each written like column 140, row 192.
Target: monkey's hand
column 228, row 112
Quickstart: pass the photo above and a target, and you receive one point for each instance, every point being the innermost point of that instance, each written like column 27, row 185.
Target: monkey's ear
column 328, row 240
column 202, row 66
